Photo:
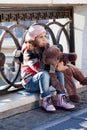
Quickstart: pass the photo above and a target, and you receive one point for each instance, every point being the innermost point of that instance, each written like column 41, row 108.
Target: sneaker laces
column 65, row 98
column 49, row 101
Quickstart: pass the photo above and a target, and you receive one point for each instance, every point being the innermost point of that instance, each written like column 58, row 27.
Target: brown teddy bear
column 60, row 62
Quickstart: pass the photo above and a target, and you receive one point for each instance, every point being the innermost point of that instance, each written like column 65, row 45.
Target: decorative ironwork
column 29, row 14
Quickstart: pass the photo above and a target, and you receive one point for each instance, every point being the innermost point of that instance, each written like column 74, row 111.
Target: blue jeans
column 60, row 77
column 41, row 82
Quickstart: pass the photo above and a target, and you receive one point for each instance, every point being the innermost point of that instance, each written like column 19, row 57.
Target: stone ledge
column 45, row 2
column 21, row 101
column 18, row 101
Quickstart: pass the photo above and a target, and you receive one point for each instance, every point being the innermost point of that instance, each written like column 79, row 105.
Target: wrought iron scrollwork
column 32, row 13
column 26, row 14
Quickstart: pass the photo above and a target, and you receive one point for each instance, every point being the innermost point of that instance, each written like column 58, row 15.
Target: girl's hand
column 61, row 67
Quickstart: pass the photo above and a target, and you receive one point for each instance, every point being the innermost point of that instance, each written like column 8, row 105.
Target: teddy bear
column 62, row 62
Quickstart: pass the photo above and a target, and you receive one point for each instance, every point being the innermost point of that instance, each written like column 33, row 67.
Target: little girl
column 35, row 77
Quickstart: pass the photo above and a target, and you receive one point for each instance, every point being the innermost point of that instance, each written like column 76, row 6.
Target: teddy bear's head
column 53, row 54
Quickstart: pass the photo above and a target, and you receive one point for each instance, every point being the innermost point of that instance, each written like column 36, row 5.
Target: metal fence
column 58, row 22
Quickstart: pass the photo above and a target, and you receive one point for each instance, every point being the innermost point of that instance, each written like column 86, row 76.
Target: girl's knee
column 46, row 74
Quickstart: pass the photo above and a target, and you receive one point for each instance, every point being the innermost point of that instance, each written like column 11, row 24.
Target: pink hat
column 33, row 32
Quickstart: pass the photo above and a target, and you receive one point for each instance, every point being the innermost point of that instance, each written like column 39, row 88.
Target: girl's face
column 41, row 41
column 29, row 46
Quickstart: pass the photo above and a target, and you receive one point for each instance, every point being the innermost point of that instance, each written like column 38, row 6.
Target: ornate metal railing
column 57, row 21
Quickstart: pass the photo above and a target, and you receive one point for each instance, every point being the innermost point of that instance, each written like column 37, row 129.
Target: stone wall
column 80, row 28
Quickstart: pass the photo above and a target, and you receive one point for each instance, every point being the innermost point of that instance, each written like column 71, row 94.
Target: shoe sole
column 70, row 109
column 48, row 111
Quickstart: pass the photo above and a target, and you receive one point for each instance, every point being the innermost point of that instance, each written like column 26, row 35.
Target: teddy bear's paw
column 75, row 98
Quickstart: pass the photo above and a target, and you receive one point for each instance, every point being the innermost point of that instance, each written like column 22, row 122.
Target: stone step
column 18, row 101
column 21, row 101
